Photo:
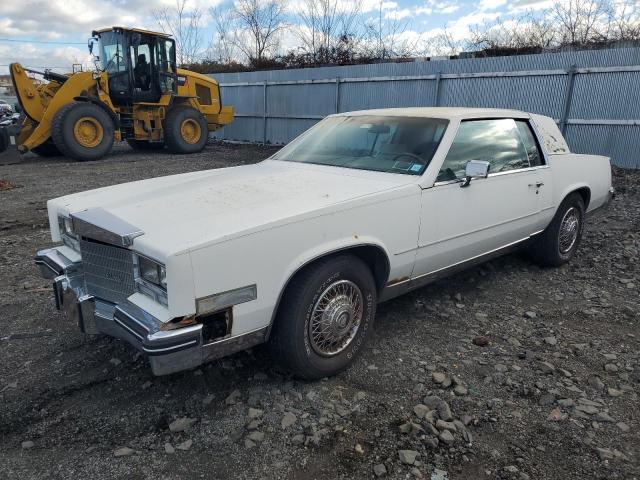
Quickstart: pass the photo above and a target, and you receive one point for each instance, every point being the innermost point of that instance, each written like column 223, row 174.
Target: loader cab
column 141, row 65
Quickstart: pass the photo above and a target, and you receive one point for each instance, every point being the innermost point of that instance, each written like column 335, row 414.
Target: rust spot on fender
column 395, row 281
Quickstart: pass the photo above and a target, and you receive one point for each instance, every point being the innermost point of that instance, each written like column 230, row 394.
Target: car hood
column 181, row 212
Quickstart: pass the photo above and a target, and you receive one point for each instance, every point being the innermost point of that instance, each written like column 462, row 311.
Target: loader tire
column 82, row 131
column 144, row 145
column 185, row 130
column 46, row 149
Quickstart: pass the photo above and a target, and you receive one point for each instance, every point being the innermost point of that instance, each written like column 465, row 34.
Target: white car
column 298, row 249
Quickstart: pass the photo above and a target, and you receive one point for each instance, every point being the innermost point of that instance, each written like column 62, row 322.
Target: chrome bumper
column 169, row 351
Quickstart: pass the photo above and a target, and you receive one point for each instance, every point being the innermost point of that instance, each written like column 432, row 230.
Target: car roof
column 440, row 112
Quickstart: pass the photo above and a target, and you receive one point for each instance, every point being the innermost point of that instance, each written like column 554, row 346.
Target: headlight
column 66, row 226
column 67, row 234
column 152, row 272
column 151, row 278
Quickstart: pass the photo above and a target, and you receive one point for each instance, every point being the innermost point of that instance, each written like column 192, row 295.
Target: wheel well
column 585, row 193
column 372, row 255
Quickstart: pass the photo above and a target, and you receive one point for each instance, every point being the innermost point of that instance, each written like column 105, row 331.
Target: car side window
column 496, row 141
column 530, row 144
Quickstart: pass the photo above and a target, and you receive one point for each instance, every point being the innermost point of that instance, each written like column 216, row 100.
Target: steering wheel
column 115, row 56
column 420, row 160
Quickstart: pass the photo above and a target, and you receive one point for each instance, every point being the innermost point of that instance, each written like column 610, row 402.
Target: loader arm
column 41, row 103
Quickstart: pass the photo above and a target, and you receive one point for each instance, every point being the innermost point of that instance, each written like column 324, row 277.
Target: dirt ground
column 532, row 373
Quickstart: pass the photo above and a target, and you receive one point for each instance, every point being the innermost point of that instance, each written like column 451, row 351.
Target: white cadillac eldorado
column 298, row 249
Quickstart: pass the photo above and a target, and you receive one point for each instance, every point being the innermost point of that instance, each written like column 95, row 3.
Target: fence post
column 436, row 98
column 337, row 108
column 568, row 97
column 264, row 113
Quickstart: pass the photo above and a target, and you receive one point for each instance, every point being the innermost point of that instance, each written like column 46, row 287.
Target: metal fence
column 593, row 95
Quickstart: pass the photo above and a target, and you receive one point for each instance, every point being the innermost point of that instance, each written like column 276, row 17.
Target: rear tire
column 185, row 130
column 82, row 131
column 47, row 149
column 144, row 145
column 560, row 240
column 325, row 317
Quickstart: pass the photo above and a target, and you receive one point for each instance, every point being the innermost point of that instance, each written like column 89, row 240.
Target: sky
column 53, row 33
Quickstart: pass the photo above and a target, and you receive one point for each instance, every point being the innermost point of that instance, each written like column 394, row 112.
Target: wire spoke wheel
column 336, row 318
column 569, row 230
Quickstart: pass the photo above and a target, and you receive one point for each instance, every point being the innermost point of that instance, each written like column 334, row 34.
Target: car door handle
column 537, row 184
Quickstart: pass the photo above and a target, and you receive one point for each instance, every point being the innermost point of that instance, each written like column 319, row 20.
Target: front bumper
column 169, row 351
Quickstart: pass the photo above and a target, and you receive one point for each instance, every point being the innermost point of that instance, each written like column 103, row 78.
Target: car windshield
column 369, row 142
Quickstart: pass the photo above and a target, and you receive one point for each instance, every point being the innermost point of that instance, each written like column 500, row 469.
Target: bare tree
column 443, row 43
column 624, row 20
column 183, row 23
column 385, row 35
column 222, row 47
column 580, row 21
column 326, row 25
column 259, row 23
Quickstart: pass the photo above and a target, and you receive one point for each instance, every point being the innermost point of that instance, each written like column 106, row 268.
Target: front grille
column 108, row 271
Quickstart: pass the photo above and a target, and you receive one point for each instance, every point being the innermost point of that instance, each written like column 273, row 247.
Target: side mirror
column 475, row 169
column 90, row 43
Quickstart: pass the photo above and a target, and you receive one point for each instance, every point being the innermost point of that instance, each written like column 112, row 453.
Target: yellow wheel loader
column 137, row 94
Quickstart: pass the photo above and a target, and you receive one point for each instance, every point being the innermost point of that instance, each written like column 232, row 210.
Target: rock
column 514, row 341
column 547, row 367
column 168, row 448
column 233, row 397
column 460, row 390
column 438, row 377
column 115, row 361
column 439, row 474
column 596, row 383
column 248, row 443
column 416, row 472
column 480, row 341
column 556, row 415
column 359, row 449
column 511, row 469
column 499, row 367
column 256, row 436
column 255, row 413
column 608, row 453
column 123, row 452
column 588, row 409
column 186, row 445
column 610, row 356
column 604, row 417
column 288, row 419
column 147, row 385
column 27, row 444
column 408, row 457
column 379, row 470
column 442, row 425
column 181, row 424
column 446, row 436
column 421, row 410
column 551, row 340
column 611, row 367
column 566, row 402
column 530, row 314
column 298, row 439
column 614, row 392
column 623, row 427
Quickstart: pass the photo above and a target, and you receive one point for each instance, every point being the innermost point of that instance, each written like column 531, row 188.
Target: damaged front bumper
column 168, row 351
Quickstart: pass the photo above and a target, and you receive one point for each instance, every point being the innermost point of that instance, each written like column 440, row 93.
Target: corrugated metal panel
column 596, row 96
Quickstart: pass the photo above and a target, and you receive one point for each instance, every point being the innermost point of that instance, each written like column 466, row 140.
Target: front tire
column 82, row 131
column 560, row 240
column 325, row 317
column 185, row 130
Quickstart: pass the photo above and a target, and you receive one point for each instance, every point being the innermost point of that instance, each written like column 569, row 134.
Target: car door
column 462, row 224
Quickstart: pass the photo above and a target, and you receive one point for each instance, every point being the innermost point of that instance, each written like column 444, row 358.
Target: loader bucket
column 8, row 149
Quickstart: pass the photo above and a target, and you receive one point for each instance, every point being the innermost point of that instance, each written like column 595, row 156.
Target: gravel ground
column 504, row 371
